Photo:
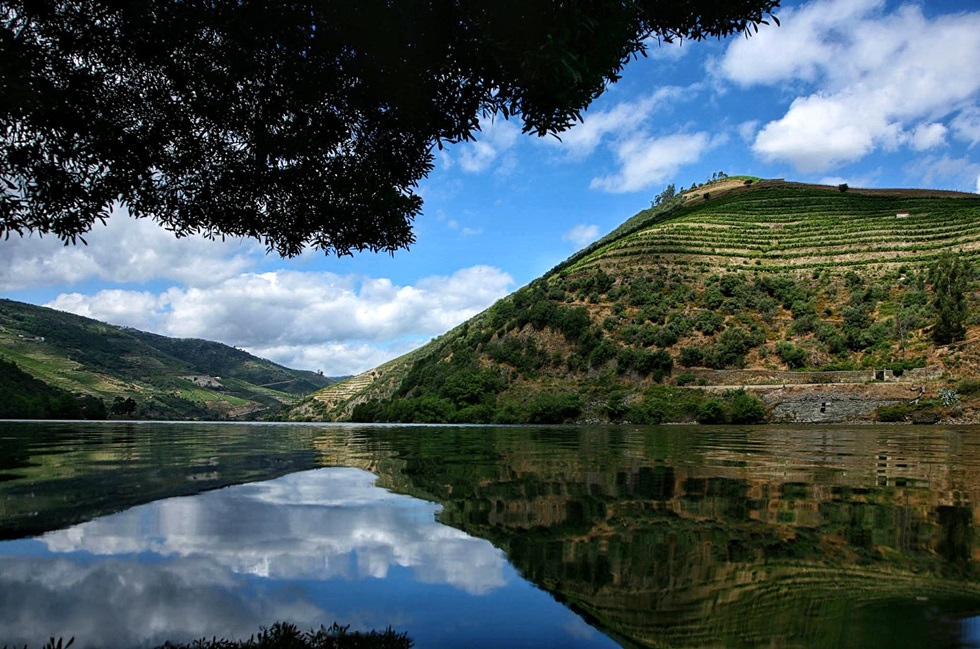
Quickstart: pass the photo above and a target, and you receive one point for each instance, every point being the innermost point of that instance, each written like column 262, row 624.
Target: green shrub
column 746, row 409
column 732, row 346
column 795, row 357
column 950, row 277
column 573, row 322
column 604, row 352
column 968, row 387
column 804, row 325
column 616, row 407
column 691, row 356
column 665, row 403
column 898, row 412
column 708, row 322
column 833, row 339
column 712, row 411
column 685, row 379
column 551, row 408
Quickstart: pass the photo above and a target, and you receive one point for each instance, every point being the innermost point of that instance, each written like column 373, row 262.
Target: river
column 127, row 534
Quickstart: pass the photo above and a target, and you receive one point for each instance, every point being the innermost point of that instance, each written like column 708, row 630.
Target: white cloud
column 928, row 136
column 123, row 250
column 137, row 309
column 821, row 132
column 663, row 51
column 803, row 47
column 877, row 80
column 645, row 161
column 582, row 235
column 493, row 141
column 335, row 358
column 978, row 183
column 614, row 124
column 747, row 130
column 966, row 126
column 340, row 324
column 834, row 180
column 944, row 171
column 625, row 129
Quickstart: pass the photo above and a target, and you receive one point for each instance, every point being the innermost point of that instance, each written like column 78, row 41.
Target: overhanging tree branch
column 300, row 124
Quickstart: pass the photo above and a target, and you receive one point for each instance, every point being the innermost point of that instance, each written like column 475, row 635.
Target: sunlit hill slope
column 821, row 302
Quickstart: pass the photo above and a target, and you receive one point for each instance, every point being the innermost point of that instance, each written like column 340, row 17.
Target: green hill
column 778, row 288
column 49, row 360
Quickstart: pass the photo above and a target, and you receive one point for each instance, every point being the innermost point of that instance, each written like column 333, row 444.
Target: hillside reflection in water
column 843, row 537
column 677, row 536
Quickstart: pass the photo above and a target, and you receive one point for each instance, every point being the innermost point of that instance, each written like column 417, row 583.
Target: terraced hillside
column 763, row 285
column 130, row 373
column 780, row 226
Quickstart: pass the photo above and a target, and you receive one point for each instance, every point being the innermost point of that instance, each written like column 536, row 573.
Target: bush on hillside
column 795, row 357
column 691, row 356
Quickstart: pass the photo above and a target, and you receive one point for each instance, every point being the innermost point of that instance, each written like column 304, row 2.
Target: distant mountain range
column 738, row 301
column 59, row 365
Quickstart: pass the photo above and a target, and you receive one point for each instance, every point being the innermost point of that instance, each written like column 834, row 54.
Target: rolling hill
column 738, row 301
column 52, row 363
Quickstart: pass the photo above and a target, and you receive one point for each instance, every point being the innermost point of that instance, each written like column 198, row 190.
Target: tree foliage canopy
column 950, row 276
column 297, row 123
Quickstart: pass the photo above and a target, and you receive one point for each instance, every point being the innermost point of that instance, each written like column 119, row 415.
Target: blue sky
column 868, row 92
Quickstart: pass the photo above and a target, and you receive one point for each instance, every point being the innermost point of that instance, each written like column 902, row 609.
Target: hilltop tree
column 950, row 277
column 667, row 195
column 298, row 123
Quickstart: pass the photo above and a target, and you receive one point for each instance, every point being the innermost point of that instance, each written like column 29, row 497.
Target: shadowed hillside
column 68, row 358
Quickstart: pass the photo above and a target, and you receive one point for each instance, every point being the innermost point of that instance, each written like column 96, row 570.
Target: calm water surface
column 126, row 535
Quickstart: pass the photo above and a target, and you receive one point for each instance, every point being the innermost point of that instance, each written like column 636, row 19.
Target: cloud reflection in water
column 311, row 548
column 314, row 525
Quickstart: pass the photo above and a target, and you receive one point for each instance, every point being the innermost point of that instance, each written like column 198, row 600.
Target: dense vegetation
column 770, row 277
column 64, row 362
column 25, row 397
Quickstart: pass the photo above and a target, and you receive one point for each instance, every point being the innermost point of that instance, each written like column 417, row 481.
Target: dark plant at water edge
column 54, row 644
column 283, row 635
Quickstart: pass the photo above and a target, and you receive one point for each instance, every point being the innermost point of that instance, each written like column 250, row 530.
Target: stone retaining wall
column 829, row 404
column 778, row 377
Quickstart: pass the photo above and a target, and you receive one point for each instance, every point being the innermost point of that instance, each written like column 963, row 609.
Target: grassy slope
column 80, row 355
column 770, row 277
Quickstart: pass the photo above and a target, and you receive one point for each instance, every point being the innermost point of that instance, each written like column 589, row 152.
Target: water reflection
column 54, row 474
column 720, row 537
column 311, row 547
column 315, row 525
column 679, row 537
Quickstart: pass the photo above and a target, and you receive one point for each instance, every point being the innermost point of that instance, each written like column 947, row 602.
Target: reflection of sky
column 312, row 548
